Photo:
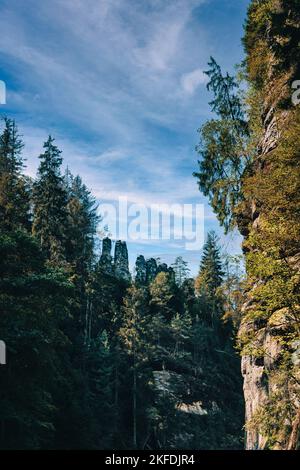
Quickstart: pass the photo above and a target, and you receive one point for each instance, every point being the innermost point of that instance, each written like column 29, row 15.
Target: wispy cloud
column 115, row 81
column 100, row 59
column 190, row 81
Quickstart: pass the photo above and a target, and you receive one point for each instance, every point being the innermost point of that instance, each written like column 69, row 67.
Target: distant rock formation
column 163, row 268
column 117, row 266
column 141, row 270
column 147, row 270
column 151, row 269
column 121, row 264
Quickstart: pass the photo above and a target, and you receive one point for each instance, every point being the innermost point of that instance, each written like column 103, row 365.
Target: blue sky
column 120, row 85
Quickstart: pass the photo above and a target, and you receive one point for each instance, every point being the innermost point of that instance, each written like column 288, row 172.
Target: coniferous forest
column 99, row 357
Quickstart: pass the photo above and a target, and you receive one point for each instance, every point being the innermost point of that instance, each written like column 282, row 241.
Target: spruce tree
column 210, row 276
column 163, row 295
column 223, row 147
column 133, row 335
column 82, row 224
column 14, row 187
column 50, row 204
column 211, row 270
column 181, row 270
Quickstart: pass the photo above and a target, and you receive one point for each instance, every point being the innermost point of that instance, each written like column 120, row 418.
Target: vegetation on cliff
column 265, row 207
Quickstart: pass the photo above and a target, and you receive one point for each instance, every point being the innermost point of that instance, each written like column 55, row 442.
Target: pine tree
column 211, row 270
column 11, row 146
column 14, row 187
column 181, row 270
column 181, row 332
column 82, row 224
column 233, row 289
column 100, row 376
column 50, row 204
column 163, row 295
column 210, row 276
column 226, row 103
column 223, row 147
column 133, row 334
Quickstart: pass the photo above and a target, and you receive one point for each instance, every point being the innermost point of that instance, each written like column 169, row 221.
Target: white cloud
column 105, row 64
column 108, row 79
column 190, row 81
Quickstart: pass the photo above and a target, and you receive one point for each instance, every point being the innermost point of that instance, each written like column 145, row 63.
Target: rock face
column 106, row 261
column 162, row 268
column 121, row 264
column 257, row 386
column 255, row 369
column 151, row 266
column 258, row 372
column 117, row 266
column 175, row 385
column 147, row 270
column 269, row 333
column 141, row 270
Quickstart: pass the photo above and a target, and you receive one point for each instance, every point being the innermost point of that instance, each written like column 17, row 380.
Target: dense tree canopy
column 96, row 360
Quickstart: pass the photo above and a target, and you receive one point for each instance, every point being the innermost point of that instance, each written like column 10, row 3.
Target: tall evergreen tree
column 11, row 146
column 82, row 224
column 211, row 270
column 211, row 275
column 181, row 270
column 133, row 334
column 163, row 295
column 50, row 204
column 14, row 188
column 223, row 147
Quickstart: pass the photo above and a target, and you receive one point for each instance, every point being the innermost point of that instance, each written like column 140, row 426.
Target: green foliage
column 34, row 301
column 232, row 289
column 82, row 224
column 226, row 103
column 275, row 418
column 279, row 48
column 272, row 261
column 14, row 188
column 250, row 172
column 181, row 270
column 223, row 148
column 210, row 279
column 50, row 204
column 93, row 361
column 211, row 269
column 163, row 295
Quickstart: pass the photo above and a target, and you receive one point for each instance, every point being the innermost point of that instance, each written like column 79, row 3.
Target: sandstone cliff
column 269, row 332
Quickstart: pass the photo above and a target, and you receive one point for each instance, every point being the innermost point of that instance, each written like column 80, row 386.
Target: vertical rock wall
column 272, row 46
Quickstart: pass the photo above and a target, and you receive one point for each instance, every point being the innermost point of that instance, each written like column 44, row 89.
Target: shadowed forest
column 99, row 357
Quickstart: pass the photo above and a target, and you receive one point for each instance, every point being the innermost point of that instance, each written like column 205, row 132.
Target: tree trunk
column 294, row 437
column 134, row 404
